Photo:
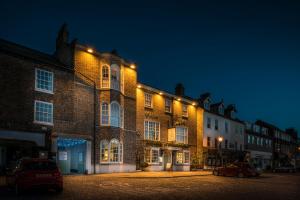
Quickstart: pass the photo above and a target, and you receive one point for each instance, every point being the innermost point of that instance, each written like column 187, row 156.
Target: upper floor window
column 221, row 110
column 232, row 114
column 168, row 105
column 111, row 152
column 241, row 130
column 226, row 127
column 115, row 77
column 148, row 100
column 216, row 124
column 182, row 134
column 207, row 105
column 112, row 114
column 208, row 122
column 43, row 81
column 152, row 130
column 185, row 110
column 112, row 77
column 43, row 112
column 256, row 128
column 105, row 77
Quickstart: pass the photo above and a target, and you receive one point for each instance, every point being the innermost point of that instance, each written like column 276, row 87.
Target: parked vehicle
column 239, row 169
column 35, row 173
column 286, row 168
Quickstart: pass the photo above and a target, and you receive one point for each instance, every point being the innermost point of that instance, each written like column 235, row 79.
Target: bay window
column 112, row 114
column 182, row 135
column 111, row 152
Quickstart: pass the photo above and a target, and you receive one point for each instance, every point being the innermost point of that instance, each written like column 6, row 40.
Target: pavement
column 170, row 185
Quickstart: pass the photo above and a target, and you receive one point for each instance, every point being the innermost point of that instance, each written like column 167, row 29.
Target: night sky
column 246, row 52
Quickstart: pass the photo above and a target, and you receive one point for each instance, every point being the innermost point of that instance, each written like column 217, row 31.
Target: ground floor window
column 183, row 157
column 152, row 155
column 111, row 152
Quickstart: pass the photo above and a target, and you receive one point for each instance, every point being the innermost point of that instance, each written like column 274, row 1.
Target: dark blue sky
column 247, row 52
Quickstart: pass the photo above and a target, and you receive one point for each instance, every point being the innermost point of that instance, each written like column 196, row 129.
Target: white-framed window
column 168, row 105
column 253, row 139
column 105, row 77
column 148, row 100
column 181, row 134
column 152, row 130
column 185, row 112
column 152, row 155
column 115, row 114
column 44, row 80
column 104, row 151
column 43, row 112
column 183, row 157
column 208, row 122
column 104, row 113
column 115, row 77
column 111, row 152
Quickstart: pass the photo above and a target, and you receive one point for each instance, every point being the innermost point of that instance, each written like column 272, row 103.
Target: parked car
column 35, row 173
column 286, row 168
column 240, row 169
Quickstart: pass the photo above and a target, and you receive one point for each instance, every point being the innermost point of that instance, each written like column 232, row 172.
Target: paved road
column 268, row 186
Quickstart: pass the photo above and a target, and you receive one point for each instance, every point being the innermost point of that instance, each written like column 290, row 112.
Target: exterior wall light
column 193, row 103
column 132, row 66
column 178, row 99
column 90, row 50
column 220, row 138
column 139, row 86
column 161, row 93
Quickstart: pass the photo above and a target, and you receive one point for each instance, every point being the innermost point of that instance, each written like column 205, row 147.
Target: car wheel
column 241, row 175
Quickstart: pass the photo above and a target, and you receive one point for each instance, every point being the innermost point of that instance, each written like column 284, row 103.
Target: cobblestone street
column 171, row 186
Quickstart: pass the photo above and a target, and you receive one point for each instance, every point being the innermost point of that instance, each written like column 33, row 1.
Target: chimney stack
column 179, row 90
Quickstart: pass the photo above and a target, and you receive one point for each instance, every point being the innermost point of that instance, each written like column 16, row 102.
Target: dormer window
column 221, row 110
column 207, row 104
column 232, row 114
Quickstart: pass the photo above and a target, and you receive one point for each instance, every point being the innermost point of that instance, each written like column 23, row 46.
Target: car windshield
column 39, row 165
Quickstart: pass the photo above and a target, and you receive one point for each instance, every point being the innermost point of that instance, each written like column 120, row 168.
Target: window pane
column 44, row 80
column 43, row 112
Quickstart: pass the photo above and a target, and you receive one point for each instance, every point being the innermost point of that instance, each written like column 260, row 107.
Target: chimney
column 62, row 36
column 179, row 90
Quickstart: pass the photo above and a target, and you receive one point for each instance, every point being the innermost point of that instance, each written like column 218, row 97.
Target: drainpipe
column 95, row 115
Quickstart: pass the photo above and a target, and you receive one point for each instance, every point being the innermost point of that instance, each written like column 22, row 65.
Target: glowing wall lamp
column 132, row 66
column 139, row 86
column 90, row 50
column 161, row 93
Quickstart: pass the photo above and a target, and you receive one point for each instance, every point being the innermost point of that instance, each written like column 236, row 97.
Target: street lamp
column 220, row 139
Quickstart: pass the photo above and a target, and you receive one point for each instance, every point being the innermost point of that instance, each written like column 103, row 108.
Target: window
column 208, row 122
column 43, row 81
column 226, row 144
column 249, row 139
column 151, row 130
column 104, row 151
column 115, row 77
column 43, row 112
column 148, row 100
column 185, row 110
column 168, row 107
column 207, row 104
column 182, row 135
column 262, row 141
column 152, row 155
column 226, row 127
column 253, row 139
column 183, row 157
column 104, row 114
column 116, row 151
column 208, row 141
column 186, row 155
column 257, row 141
column 216, row 124
column 105, row 77
column 221, row 110
column 115, row 114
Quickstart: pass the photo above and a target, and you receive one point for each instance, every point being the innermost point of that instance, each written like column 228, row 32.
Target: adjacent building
column 223, row 133
column 259, row 145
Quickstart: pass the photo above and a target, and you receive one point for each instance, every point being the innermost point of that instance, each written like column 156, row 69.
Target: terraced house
column 168, row 135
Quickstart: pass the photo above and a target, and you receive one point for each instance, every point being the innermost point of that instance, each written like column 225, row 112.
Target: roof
column 25, row 52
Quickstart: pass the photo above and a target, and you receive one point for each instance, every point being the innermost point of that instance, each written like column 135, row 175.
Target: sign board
column 63, row 155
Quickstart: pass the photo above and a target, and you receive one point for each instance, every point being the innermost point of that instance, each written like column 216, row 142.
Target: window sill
column 111, row 163
column 43, row 123
column 44, row 91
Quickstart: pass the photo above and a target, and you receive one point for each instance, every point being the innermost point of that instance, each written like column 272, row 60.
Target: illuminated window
column 152, row 155
column 182, row 135
column 116, row 152
column 105, row 77
column 183, row 157
column 43, row 112
column 185, row 110
column 43, row 81
column 148, row 100
column 179, row 157
column 151, row 130
column 104, row 151
column 168, row 105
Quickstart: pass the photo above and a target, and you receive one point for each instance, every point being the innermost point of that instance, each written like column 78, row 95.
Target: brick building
column 167, row 129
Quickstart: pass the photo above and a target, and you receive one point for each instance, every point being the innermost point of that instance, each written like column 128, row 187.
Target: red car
column 236, row 169
column 35, row 173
